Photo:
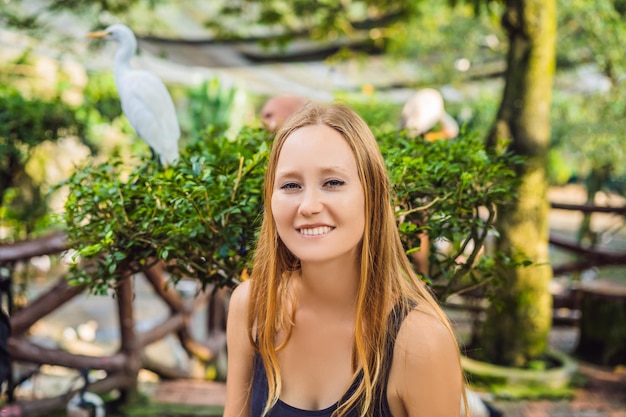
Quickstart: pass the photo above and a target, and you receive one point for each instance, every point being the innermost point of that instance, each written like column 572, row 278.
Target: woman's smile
column 315, row 231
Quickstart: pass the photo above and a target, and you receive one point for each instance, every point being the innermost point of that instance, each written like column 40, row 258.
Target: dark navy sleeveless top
column 282, row 409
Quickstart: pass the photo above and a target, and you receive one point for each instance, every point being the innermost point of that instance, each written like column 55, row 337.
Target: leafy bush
column 451, row 190
column 201, row 216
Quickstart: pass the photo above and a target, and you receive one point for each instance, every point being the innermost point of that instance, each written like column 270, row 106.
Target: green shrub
column 451, row 189
column 199, row 216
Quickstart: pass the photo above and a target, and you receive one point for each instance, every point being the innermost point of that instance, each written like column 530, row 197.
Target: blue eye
column 334, row 183
column 289, row 186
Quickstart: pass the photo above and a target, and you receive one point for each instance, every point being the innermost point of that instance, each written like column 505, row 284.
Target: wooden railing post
column 130, row 346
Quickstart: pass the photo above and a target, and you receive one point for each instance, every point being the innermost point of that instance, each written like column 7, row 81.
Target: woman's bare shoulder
column 424, row 332
column 426, row 371
column 240, row 353
column 241, row 295
column 238, row 305
column 241, row 292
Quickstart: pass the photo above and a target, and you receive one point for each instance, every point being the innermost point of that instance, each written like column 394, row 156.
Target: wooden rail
column 122, row 367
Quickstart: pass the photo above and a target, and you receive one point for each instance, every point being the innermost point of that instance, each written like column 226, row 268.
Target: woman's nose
column 311, row 202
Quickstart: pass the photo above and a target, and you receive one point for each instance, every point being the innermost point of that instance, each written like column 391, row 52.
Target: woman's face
column 318, row 202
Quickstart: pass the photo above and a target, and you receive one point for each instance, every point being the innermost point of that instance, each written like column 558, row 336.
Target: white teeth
column 316, row 231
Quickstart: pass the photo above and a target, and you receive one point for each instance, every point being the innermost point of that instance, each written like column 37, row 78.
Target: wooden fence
column 122, row 367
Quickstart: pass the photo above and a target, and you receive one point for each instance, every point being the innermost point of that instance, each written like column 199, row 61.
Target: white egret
column 145, row 100
column 424, row 111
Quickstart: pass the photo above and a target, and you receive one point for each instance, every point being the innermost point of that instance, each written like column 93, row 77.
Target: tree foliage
column 319, row 19
column 34, row 19
column 598, row 38
column 26, row 123
column 587, row 144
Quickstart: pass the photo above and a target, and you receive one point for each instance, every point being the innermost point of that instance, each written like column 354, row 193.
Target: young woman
column 333, row 321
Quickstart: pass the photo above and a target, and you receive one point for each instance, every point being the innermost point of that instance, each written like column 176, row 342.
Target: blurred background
column 221, row 61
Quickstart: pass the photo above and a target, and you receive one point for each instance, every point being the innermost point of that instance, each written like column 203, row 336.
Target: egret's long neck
column 125, row 52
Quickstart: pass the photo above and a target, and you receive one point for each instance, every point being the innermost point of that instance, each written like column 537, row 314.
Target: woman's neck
column 328, row 286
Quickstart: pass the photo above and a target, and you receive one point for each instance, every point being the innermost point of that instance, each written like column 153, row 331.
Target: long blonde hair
column 386, row 280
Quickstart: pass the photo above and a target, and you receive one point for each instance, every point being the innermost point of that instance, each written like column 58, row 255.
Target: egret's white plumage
column 424, row 110
column 145, row 100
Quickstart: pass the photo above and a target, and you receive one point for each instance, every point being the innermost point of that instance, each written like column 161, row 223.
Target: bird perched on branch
column 424, row 114
column 145, row 100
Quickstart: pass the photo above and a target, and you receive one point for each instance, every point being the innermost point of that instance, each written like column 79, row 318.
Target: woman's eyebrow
column 331, row 169
column 287, row 173
column 334, row 170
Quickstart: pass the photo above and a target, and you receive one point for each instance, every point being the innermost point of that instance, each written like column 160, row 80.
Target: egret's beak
column 98, row 35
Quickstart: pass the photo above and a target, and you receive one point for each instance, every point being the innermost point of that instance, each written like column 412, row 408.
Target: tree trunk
column 519, row 318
